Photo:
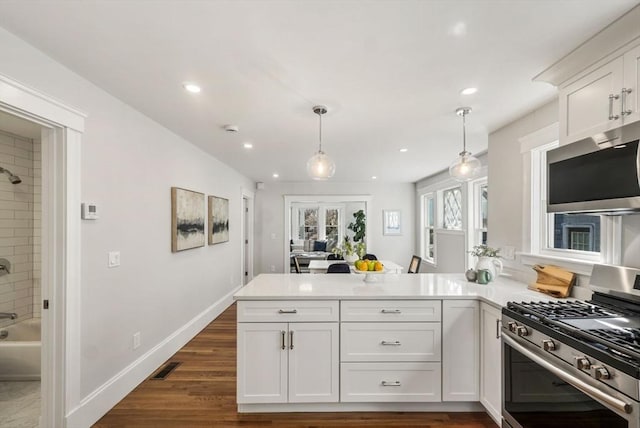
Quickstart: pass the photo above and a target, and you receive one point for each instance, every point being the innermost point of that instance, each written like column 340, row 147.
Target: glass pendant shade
column 465, row 167
column 320, row 166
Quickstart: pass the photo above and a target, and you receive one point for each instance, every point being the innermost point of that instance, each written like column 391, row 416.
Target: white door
column 632, row 82
column 585, row 107
column 313, row 363
column 460, row 350
column 262, row 363
column 490, row 361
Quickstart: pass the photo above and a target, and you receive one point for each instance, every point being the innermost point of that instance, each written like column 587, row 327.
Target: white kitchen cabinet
column 632, row 81
column 460, row 350
column 587, row 106
column 490, row 361
column 287, row 362
column 601, row 99
column 390, row 382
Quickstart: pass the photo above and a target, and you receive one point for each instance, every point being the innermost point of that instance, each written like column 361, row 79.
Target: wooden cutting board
column 554, row 280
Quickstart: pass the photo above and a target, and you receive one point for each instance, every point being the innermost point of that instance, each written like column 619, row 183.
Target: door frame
column 62, row 129
column 246, row 231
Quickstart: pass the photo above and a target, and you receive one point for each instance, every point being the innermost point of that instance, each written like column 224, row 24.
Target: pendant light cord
column 320, row 132
column 464, row 132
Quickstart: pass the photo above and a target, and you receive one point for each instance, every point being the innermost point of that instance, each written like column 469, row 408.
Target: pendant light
column 320, row 166
column 466, row 166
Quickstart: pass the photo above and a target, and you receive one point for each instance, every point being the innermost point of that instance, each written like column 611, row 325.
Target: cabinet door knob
column 611, row 98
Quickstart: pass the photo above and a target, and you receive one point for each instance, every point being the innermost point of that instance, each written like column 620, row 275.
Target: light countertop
column 388, row 286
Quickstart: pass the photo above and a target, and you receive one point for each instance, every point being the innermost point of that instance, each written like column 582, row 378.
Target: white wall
column 129, row 163
column 509, row 195
column 270, row 229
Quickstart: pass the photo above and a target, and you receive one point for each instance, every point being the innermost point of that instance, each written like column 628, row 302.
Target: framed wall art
column 187, row 219
column 391, row 222
column 218, row 220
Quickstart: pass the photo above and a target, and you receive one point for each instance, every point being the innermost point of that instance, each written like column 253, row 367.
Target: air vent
column 165, row 370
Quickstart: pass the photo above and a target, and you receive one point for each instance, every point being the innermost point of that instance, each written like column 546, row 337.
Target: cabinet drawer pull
column 391, row 311
column 625, row 111
column 394, row 383
column 283, row 334
column 611, row 98
column 291, row 311
column 498, row 321
column 291, row 339
column 388, row 343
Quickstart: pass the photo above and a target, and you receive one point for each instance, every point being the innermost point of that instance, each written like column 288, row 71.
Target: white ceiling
column 390, row 72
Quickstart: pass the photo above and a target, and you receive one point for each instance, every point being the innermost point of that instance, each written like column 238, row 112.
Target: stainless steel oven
column 539, row 392
column 569, row 363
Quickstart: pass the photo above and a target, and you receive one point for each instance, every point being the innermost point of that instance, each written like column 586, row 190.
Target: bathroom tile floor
column 20, row 404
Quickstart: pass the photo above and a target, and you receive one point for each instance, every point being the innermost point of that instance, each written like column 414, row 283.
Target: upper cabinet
column 599, row 82
column 602, row 99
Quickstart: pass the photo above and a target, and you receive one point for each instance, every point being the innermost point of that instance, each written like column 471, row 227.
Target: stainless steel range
column 574, row 363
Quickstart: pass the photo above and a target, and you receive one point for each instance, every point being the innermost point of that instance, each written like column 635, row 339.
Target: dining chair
column 369, row 257
column 339, row 268
column 296, row 264
column 414, row 264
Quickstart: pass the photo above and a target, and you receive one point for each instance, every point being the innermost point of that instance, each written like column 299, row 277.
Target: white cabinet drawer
column 390, row 341
column 390, row 310
column 288, row 310
column 390, row 382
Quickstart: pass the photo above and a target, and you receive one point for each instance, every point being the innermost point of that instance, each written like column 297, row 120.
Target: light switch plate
column 114, row 259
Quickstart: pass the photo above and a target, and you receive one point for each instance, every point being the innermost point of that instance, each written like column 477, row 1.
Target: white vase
column 351, row 258
column 492, row 264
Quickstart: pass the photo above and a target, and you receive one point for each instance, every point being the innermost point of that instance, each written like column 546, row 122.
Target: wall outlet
column 136, row 340
column 273, row 236
column 509, row 253
column 273, row 268
column 114, row 259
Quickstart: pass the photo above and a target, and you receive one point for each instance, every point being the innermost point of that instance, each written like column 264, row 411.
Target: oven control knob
column 522, row 331
column 582, row 363
column 513, row 326
column 601, row 373
column 548, row 345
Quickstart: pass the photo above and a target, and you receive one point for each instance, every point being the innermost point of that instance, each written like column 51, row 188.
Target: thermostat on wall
column 89, row 211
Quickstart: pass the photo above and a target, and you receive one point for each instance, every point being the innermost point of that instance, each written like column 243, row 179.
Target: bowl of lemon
column 370, row 268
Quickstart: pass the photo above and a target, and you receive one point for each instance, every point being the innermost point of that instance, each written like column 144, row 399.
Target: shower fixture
column 14, row 179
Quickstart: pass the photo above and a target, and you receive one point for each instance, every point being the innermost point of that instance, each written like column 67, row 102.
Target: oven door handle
column 591, row 391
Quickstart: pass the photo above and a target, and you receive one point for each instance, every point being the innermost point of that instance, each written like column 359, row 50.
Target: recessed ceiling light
column 469, row 91
column 373, row 177
column 248, row 146
column 191, row 87
column 404, row 150
column 276, row 175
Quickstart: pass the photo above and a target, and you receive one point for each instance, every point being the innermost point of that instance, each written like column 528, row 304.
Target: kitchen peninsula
column 421, row 342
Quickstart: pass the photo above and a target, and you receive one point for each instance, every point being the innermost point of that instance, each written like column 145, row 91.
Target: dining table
column 321, row 266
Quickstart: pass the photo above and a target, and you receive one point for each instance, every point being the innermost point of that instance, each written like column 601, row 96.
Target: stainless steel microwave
column 582, row 177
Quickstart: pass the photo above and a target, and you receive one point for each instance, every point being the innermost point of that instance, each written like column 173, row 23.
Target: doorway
column 247, row 237
column 61, row 128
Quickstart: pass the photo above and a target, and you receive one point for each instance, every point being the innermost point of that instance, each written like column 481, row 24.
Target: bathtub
column 20, row 351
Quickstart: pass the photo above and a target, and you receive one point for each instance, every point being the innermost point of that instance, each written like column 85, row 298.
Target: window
column 317, row 223
column 429, row 222
column 572, row 236
column 452, row 208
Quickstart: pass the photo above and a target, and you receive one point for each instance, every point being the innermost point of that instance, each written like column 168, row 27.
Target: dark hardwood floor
column 201, row 392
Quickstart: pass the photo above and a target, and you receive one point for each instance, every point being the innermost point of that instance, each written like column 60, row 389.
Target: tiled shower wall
column 19, row 239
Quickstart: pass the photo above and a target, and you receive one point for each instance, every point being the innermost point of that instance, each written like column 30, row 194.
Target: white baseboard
column 100, row 401
column 362, row 407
